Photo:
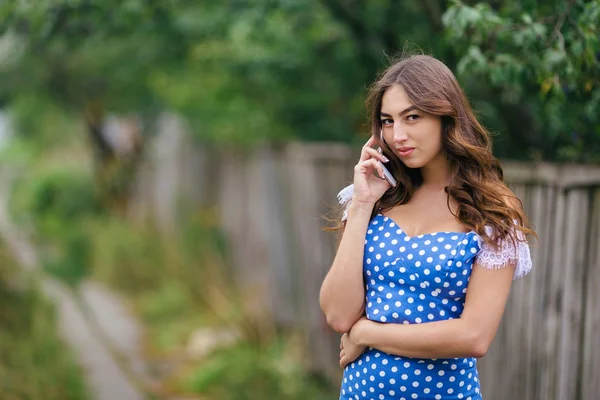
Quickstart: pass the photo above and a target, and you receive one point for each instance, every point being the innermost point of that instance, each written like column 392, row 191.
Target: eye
column 387, row 122
column 413, row 117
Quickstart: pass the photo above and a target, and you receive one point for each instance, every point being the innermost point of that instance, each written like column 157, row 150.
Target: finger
column 370, row 166
column 368, row 145
column 369, row 152
column 373, row 153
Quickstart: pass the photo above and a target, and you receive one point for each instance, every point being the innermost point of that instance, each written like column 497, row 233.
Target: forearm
column 342, row 293
column 439, row 339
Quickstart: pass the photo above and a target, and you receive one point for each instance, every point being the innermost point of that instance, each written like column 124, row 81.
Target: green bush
column 249, row 372
column 58, row 204
column 164, row 276
column 34, row 363
column 178, row 284
column 55, row 198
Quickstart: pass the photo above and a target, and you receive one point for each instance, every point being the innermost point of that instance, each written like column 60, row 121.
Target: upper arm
column 485, row 301
column 489, row 286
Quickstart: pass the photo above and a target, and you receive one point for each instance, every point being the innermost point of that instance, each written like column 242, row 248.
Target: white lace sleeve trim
column 345, row 198
column 488, row 257
column 506, row 254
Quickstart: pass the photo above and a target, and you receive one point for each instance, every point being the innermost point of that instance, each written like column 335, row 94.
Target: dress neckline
column 422, row 234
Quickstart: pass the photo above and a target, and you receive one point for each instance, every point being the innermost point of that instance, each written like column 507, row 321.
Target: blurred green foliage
column 34, row 362
column 58, row 204
column 243, row 72
column 40, row 126
column 176, row 282
column 245, row 372
column 164, row 280
column 542, row 62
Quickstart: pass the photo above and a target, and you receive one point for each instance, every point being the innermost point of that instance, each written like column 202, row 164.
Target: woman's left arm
column 467, row 336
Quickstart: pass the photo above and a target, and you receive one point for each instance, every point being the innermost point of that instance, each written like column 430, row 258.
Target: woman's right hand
column 368, row 188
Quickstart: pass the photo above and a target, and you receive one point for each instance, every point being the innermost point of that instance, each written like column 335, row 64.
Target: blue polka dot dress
column 411, row 280
column 414, row 280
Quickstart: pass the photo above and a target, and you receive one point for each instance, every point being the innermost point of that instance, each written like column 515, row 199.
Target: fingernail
column 385, row 159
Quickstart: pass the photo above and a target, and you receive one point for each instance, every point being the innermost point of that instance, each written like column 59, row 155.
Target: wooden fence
column 270, row 201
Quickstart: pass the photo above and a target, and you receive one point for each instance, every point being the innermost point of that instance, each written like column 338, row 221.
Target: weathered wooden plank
column 330, row 172
column 533, row 202
column 505, row 340
column 590, row 363
column 304, row 209
column 572, row 273
column 564, row 175
column 550, row 313
column 519, row 321
column 542, row 207
column 252, row 236
column 231, row 213
column 281, row 270
column 285, row 176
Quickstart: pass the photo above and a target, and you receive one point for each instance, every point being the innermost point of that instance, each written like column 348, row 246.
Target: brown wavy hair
column 477, row 183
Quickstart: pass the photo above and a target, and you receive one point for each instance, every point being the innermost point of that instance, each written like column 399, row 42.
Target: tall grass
column 178, row 283
column 34, row 362
column 182, row 282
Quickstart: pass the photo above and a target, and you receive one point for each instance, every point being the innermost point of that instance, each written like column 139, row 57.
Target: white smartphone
column 387, row 175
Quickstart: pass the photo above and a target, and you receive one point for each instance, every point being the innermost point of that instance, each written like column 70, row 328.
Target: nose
column 400, row 133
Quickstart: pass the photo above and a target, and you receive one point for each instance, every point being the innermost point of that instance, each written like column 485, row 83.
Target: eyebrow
column 413, row 107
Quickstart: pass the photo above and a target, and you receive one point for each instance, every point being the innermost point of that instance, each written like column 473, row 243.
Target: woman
column 397, row 288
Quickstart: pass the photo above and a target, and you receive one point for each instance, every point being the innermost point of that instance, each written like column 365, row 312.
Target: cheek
column 438, row 142
column 388, row 137
column 430, row 138
column 434, row 137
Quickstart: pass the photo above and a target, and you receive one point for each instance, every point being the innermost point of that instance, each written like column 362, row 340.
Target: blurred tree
column 90, row 57
column 536, row 67
column 290, row 69
column 247, row 71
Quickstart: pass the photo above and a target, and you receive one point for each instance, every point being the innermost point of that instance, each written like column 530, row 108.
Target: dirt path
column 105, row 379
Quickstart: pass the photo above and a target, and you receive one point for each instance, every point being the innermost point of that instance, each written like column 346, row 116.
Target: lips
column 406, row 151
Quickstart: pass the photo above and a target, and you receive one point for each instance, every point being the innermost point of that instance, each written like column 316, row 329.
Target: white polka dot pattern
column 411, row 280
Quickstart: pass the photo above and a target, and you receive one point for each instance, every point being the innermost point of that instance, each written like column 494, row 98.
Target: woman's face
column 413, row 135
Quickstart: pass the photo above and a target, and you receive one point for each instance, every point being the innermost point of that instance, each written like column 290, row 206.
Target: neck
column 438, row 173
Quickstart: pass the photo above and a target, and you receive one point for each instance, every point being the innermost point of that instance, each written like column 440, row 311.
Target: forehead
column 394, row 100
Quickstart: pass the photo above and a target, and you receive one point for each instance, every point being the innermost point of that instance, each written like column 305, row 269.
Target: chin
column 412, row 164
